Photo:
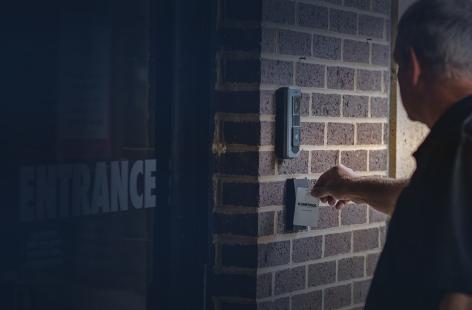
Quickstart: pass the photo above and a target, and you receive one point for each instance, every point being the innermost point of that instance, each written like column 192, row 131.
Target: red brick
column 340, row 134
column 355, row 106
column 297, row 165
column 356, row 160
column 378, row 160
column 368, row 133
column 323, row 160
column 326, row 105
column 379, row 107
column 313, row 133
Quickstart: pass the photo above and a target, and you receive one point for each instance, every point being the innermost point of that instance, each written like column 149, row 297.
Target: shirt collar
column 450, row 120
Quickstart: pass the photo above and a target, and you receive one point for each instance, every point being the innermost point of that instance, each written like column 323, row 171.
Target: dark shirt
column 428, row 250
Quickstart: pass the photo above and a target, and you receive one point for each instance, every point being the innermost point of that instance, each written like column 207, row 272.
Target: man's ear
column 415, row 67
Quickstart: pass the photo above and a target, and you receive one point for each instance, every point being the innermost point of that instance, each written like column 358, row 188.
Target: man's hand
column 333, row 186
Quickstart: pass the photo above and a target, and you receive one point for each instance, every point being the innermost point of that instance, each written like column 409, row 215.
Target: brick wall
column 338, row 53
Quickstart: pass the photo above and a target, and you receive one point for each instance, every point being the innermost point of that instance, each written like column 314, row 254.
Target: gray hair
column 440, row 33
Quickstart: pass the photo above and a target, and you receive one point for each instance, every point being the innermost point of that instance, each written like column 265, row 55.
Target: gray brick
column 269, row 40
column 308, row 301
column 294, row 166
column 306, row 249
column 386, row 136
column 382, row 6
column 305, row 105
column 267, row 134
column 372, row 260
column 360, row 290
column 356, row 160
column 310, row 75
column 337, row 297
column 386, row 82
column 322, row 273
column 339, row 243
column 355, row 106
column 326, row 105
column 340, row 78
column 323, row 160
column 378, row 160
column 326, row 47
column 383, row 235
column 366, row 239
column 329, row 217
column 343, row 21
column 278, row 11
column 351, row 268
column 313, row 133
column 379, row 107
column 376, row 216
column 312, row 16
column 369, row 133
column 266, row 163
column 356, row 51
column 264, row 285
column 273, row 254
column 369, row 80
column 371, row 26
column 340, row 134
column 358, row 4
column 380, row 54
column 290, row 280
column 276, row 72
column 281, row 224
column 271, row 193
column 278, row 304
column 354, row 214
column 266, row 102
column 241, row 70
column 265, row 224
column 294, row 43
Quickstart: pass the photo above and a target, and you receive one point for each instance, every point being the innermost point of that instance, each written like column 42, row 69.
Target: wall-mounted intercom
column 288, row 130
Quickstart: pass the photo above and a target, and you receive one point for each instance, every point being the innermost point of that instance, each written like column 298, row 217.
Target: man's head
column 434, row 48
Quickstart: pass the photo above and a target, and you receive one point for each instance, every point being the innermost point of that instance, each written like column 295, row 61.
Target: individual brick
column 340, row 134
column 305, row 105
column 271, row 193
column 355, row 106
column 380, row 54
column 360, row 290
column 376, row 216
column 340, row 78
column 368, row 80
column 278, row 11
column 294, row 43
column 307, row 301
column 339, row 243
column 265, row 224
column 297, row 165
column 310, row 75
column 354, row 214
column 371, row 26
column 323, row 160
column 268, row 40
column 281, row 224
column 378, row 160
column 329, row 217
column 386, row 131
column 322, row 273
column 365, row 239
column 242, row 133
column 305, row 249
column 372, row 260
column 386, row 81
column 326, row 105
column 337, row 297
column 266, row 163
column 383, row 235
column 312, row 16
column 379, row 107
column 238, row 101
column 369, row 133
column 356, row 160
column 382, row 6
column 239, row 194
column 356, row 51
column 236, row 224
column 326, row 47
column 273, row 254
column 343, row 21
column 241, row 70
column 278, row 304
column 289, row 280
column 358, row 4
column 264, row 285
column 276, row 72
column 245, row 10
column 267, row 134
column 351, row 268
column 313, row 133
column 239, row 255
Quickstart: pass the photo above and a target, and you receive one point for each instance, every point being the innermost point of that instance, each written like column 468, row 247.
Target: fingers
column 340, row 204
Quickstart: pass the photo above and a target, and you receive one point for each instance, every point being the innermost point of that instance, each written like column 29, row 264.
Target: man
column 427, row 259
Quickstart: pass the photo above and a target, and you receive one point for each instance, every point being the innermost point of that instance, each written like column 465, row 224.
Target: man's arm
column 456, row 301
column 340, row 184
